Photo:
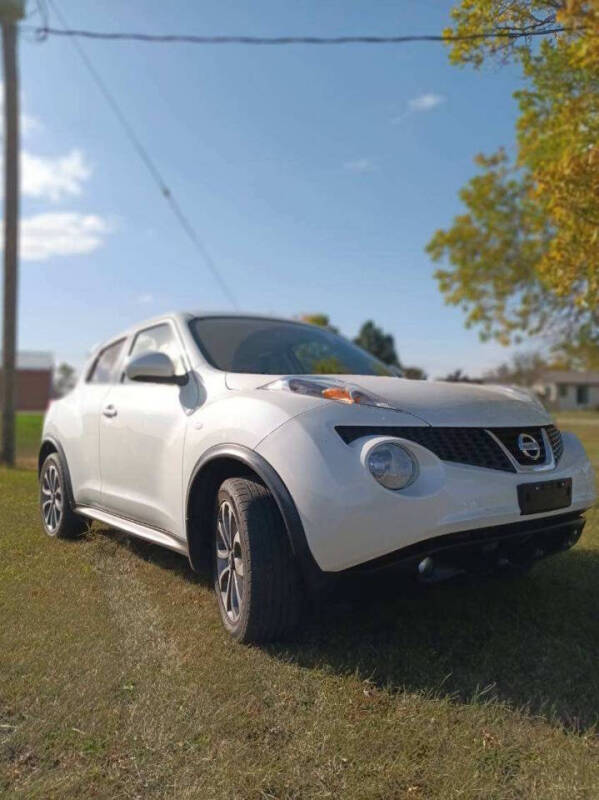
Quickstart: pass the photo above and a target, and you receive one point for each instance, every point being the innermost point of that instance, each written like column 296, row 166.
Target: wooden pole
column 11, row 223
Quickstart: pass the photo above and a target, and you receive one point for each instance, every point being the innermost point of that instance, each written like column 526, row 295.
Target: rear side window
column 103, row 370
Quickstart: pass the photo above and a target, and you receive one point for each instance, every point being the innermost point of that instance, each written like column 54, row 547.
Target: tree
column 321, row 320
column 414, row 373
column 459, row 376
column 64, row 379
column 524, row 369
column 524, row 258
column 580, row 353
column 378, row 343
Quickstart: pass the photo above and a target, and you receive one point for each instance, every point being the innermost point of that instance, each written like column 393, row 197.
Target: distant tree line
column 64, row 379
column 523, row 369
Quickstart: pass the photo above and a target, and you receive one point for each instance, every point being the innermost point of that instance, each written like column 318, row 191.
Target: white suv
column 285, row 454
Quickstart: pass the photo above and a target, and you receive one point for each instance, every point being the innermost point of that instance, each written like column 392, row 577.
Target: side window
column 582, row 395
column 103, row 368
column 159, row 338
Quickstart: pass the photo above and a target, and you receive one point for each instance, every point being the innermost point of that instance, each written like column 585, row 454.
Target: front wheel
column 255, row 575
column 58, row 519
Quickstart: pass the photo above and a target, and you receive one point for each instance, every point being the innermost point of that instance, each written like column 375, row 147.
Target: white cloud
column 62, row 233
column 53, row 178
column 360, row 165
column 425, row 102
column 144, row 299
column 30, row 124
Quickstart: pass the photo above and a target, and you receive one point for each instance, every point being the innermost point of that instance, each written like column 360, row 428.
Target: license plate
column 544, row 496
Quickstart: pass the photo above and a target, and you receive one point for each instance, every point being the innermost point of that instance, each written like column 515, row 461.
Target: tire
column 58, row 519
column 256, row 578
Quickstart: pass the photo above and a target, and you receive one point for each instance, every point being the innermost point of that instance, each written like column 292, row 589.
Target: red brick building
column 34, row 380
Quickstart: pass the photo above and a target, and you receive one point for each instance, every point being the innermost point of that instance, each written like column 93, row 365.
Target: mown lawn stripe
column 117, row 680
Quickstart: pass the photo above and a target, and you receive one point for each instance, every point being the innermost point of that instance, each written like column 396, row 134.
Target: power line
column 151, row 166
column 44, row 30
column 175, row 38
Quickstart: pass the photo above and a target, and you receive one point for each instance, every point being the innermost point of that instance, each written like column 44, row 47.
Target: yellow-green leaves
column 525, row 256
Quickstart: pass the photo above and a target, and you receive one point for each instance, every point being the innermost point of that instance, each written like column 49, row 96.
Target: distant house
column 34, row 380
column 567, row 390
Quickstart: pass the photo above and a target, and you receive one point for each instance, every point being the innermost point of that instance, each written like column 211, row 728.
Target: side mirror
column 396, row 371
column 153, row 368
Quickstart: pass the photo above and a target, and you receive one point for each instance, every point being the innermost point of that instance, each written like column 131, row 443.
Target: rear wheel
column 255, row 576
column 58, row 519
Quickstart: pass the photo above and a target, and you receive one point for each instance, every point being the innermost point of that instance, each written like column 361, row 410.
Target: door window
column 103, row 369
column 159, row 339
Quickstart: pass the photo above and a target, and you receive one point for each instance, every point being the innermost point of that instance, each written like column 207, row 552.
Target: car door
column 142, row 435
column 83, row 451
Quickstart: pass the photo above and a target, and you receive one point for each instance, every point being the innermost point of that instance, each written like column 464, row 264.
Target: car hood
column 435, row 402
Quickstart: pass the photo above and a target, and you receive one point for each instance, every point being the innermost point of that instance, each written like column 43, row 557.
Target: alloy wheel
column 229, row 561
column 52, row 498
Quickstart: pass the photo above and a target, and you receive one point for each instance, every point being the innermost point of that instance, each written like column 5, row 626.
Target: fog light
column 392, row 466
column 426, row 567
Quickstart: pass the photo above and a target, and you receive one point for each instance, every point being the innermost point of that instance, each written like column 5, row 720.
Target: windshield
column 271, row 347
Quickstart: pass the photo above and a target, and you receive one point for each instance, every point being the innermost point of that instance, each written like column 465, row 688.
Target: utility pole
column 11, row 11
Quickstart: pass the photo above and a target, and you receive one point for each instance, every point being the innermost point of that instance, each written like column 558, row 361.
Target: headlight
column 328, row 389
column 392, row 466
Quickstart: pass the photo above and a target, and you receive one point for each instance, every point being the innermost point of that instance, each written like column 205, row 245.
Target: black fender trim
column 65, row 466
column 300, row 548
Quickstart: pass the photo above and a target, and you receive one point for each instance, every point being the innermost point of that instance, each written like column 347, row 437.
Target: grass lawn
column 29, row 431
column 117, row 681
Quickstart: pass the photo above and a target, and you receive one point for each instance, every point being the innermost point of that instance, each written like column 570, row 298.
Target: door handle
column 109, row 411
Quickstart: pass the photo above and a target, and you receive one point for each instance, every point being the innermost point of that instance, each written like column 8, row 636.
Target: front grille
column 472, row 446
column 509, row 439
column 557, row 445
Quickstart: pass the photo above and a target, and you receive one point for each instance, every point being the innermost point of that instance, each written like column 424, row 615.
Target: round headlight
column 392, row 466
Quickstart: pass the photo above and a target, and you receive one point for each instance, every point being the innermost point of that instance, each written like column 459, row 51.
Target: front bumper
column 349, row 519
column 483, row 550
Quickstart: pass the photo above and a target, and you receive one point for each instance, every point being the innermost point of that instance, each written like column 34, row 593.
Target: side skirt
column 154, row 535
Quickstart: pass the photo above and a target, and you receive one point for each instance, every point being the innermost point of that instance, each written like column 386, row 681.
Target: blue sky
column 315, row 176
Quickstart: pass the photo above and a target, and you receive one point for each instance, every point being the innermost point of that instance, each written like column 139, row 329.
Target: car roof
column 183, row 317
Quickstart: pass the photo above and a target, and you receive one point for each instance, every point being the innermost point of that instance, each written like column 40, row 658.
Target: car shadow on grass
column 530, row 642
column 175, row 563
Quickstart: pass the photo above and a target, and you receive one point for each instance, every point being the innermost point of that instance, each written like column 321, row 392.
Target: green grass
column 117, row 681
column 29, row 431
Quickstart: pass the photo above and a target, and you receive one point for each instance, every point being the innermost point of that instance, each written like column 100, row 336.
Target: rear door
column 84, row 451
column 142, row 435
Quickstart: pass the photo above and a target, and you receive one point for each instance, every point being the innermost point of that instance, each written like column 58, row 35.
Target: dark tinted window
column 103, row 368
column 582, row 395
column 269, row 347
